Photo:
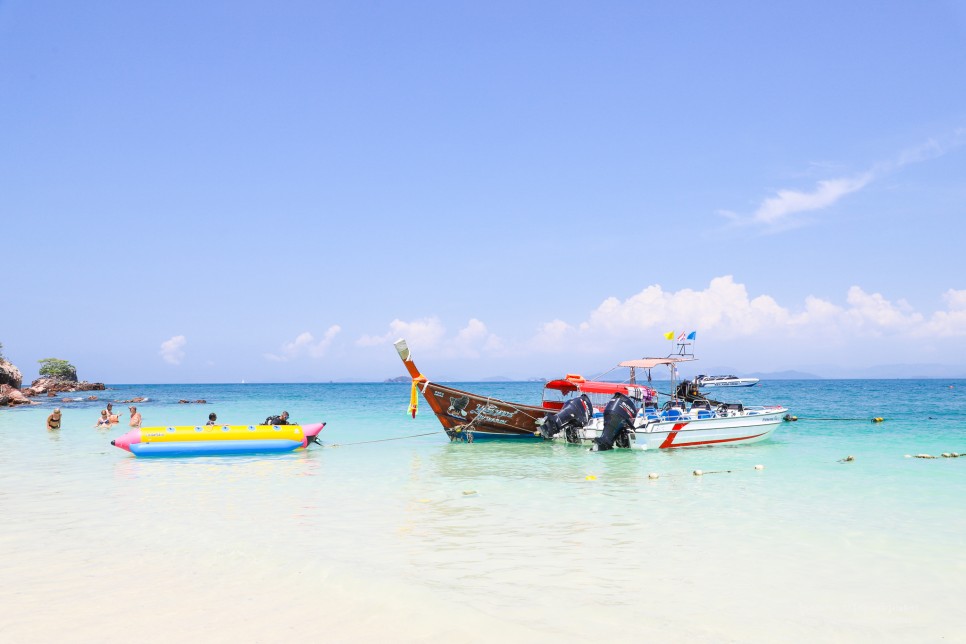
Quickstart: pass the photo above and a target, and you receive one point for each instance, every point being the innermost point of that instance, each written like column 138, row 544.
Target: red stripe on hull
column 667, row 442
column 670, row 437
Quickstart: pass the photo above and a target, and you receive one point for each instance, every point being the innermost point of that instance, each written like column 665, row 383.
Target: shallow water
column 420, row 539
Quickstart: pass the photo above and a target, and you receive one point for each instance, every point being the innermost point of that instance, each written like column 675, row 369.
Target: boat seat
column 672, row 414
column 705, row 413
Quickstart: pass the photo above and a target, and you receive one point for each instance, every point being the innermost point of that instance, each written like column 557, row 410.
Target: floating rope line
column 791, row 419
column 943, row 455
column 382, row 440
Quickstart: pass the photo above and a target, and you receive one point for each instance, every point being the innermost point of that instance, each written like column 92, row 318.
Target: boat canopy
column 650, row 363
column 569, row 385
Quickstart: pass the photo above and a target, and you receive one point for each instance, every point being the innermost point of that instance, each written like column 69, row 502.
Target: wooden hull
column 469, row 416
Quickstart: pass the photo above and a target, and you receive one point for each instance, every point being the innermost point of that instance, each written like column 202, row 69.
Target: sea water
column 388, row 531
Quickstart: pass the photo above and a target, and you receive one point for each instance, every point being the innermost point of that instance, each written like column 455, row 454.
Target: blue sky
column 211, row 192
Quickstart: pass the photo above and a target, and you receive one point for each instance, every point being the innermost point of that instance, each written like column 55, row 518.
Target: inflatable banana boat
column 211, row 440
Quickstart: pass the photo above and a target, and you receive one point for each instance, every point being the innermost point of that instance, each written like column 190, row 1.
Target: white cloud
column 949, row 323
column 788, row 202
column 778, row 211
column 172, row 350
column 429, row 336
column 425, row 333
column 305, row 345
column 727, row 310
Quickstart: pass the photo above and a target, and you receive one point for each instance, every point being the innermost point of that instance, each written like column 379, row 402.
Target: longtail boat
column 467, row 416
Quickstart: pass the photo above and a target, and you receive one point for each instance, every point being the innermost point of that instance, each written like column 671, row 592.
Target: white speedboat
column 685, row 420
column 726, row 381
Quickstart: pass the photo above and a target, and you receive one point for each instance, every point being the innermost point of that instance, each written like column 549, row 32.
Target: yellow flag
column 669, row 335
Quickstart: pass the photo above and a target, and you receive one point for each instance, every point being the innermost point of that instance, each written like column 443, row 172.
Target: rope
column 864, row 420
column 383, row 440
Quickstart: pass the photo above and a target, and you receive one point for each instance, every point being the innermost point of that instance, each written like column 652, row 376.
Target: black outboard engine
column 618, row 418
column 572, row 416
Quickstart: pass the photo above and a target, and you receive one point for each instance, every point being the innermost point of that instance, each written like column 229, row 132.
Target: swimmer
column 53, row 421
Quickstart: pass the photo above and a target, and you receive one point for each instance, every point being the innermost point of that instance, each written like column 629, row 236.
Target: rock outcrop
column 11, row 380
column 10, row 396
column 60, row 385
column 10, row 375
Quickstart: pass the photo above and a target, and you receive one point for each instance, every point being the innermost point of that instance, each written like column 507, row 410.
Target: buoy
column 924, row 456
column 422, row 501
column 759, row 467
column 653, row 475
column 946, row 455
column 789, row 418
column 468, row 492
column 878, row 419
column 848, row 459
column 698, row 472
column 954, row 455
column 907, row 456
column 590, row 477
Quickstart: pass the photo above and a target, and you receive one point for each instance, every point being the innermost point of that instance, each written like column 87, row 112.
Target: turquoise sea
column 380, row 533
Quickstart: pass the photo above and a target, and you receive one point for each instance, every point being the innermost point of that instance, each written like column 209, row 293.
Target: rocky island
column 56, row 376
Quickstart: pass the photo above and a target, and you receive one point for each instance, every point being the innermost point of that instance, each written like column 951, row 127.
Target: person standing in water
column 135, row 417
column 104, row 420
column 212, row 419
column 53, row 421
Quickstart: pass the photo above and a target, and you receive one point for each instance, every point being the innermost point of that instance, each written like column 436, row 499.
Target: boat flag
column 692, row 335
column 682, row 336
column 669, row 335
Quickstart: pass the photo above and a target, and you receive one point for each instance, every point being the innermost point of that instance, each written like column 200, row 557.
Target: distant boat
column 725, row 381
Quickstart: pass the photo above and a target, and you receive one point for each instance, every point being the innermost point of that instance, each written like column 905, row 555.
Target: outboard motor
column 618, row 418
column 574, row 415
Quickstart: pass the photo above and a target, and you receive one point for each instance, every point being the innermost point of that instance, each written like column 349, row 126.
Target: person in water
column 53, row 421
column 281, row 419
column 135, row 417
column 212, row 419
column 104, row 420
column 111, row 415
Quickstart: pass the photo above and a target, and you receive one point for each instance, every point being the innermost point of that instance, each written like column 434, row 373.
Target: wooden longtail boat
column 468, row 416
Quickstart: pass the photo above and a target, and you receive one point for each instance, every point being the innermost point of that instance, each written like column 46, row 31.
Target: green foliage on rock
column 57, row 368
column 1, row 350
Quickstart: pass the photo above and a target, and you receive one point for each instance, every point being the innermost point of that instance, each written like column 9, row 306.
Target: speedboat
column 725, row 381
column 601, row 413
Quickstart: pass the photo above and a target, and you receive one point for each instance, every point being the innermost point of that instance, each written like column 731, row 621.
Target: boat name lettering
column 438, row 394
column 155, row 434
column 491, row 411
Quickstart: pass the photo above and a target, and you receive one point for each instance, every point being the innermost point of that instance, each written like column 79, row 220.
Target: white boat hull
column 744, row 428
column 733, row 382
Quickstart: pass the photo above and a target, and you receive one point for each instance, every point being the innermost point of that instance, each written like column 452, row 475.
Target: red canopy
column 595, row 387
